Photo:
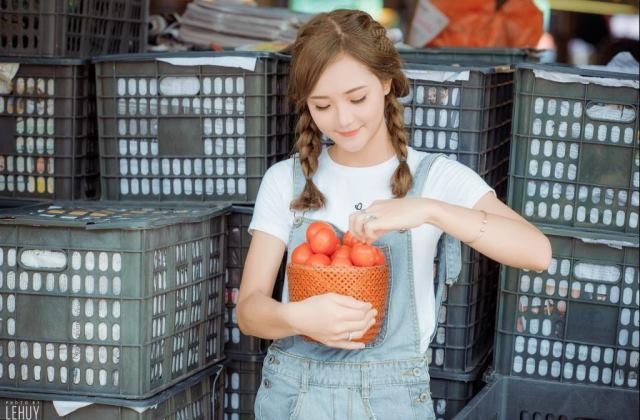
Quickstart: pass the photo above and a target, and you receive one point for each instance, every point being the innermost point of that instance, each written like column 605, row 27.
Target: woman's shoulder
column 281, row 169
column 414, row 157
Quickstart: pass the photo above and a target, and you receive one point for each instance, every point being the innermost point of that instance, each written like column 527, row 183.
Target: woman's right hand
column 332, row 319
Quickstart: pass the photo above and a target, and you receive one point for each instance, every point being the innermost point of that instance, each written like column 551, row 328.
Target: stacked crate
column 111, row 304
column 245, row 353
column 79, row 29
column 48, row 138
column 196, row 128
column 170, row 159
column 199, row 397
column 191, row 127
column 105, row 303
column 567, row 339
column 477, row 56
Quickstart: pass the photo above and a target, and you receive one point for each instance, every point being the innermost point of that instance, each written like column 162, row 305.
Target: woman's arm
column 508, row 238
column 328, row 318
column 259, row 314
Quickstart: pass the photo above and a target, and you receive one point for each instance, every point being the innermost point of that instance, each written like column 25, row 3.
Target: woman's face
column 347, row 104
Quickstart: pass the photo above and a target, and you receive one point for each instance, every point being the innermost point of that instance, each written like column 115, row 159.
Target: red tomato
column 341, row 262
column 315, row 227
column 363, row 255
column 324, row 241
column 318, row 259
column 380, row 259
column 350, row 240
column 343, row 251
column 301, row 254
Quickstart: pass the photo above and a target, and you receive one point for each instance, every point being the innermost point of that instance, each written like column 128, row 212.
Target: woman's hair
column 318, row 44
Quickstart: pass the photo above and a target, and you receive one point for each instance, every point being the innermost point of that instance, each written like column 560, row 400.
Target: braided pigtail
column 309, row 147
column 402, row 179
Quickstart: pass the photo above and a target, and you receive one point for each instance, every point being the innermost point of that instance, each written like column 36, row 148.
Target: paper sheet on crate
column 245, row 63
column 64, row 408
column 7, row 73
column 621, row 63
column 437, row 76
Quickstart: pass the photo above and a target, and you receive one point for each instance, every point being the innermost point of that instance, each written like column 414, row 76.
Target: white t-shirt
column 448, row 181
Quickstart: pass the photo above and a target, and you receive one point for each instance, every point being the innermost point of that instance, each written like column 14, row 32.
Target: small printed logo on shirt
column 358, row 206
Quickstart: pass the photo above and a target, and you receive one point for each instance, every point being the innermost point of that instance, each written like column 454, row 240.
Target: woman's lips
column 349, row 133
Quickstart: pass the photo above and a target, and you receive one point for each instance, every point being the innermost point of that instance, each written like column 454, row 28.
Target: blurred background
column 574, row 31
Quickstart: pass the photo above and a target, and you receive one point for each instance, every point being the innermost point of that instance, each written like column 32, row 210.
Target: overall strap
column 449, row 248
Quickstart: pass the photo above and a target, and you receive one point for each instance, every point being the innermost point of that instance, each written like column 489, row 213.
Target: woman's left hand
column 383, row 216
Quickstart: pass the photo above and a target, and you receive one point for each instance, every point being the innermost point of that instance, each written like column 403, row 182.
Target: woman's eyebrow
column 347, row 92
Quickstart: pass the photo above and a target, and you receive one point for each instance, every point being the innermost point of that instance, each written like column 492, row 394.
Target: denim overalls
column 388, row 379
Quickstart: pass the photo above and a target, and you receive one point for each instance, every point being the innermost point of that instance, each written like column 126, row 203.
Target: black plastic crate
column 7, row 203
column 72, row 28
column 48, row 135
column 578, row 321
column 575, row 160
column 238, row 241
column 243, row 378
column 466, row 320
column 507, row 398
column 235, row 342
column 465, row 113
column 198, row 397
column 201, row 130
column 451, row 392
column 70, row 276
column 477, row 56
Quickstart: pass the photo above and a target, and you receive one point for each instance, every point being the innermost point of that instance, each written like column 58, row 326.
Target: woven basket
column 368, row 284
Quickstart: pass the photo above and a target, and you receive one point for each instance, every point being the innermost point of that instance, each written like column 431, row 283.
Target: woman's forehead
column 343, row 76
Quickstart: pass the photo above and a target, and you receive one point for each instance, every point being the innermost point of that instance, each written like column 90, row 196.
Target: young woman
column 345, row 80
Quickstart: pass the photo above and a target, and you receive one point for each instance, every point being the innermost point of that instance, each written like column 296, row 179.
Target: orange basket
column 368, row 284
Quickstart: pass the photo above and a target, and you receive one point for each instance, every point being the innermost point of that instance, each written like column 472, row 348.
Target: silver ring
column 349, row 336
column 371, row 217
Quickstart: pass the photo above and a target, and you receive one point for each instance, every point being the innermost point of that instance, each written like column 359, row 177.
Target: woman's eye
column 322, row 108
column 357, row 101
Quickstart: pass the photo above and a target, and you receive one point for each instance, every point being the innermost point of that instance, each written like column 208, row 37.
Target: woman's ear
column 386, row 86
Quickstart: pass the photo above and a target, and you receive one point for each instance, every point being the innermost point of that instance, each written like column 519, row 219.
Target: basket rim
column 337, row 268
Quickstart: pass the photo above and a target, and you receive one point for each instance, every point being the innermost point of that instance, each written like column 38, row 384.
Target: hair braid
column 309, row 147
column 402, row 180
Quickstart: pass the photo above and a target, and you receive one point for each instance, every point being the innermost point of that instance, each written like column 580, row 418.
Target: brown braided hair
column 317, row 45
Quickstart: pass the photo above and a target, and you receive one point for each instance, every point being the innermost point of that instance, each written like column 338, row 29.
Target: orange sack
column 477, row 23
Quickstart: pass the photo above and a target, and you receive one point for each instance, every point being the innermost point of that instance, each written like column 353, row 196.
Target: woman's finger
column 356, row 224
column 371, row 229
column 357, row 328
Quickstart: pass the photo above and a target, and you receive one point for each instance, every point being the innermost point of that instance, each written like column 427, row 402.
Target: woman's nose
column 345, row 117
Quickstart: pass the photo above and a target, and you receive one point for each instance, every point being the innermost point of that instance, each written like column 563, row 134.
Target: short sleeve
column 452, row 182
column 271, row 212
